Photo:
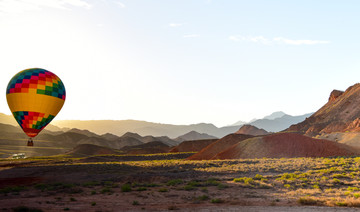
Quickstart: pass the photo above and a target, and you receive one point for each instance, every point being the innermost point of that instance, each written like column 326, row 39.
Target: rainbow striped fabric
column 37, row 80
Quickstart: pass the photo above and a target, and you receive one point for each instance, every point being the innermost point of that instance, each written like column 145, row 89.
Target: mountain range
column 275, row 122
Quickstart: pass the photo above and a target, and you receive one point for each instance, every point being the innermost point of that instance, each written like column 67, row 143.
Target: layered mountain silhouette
column 147, row 148
column 13, row 140
column 276, row 121
column 192, row 146
column 273, row 123
column 340, row 114
column 193, row 135
column 84, row 150
column 279, row 124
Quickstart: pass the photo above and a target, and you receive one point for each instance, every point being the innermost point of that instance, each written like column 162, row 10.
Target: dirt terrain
column 81, row 184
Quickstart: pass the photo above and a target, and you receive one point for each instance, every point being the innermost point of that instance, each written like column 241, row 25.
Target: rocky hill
column 340, row 114
column 218, row 146
column 286, row 145
column 148, row 148
column 193, row 135
column 251, row 130
column 192, row 146
column 84, row 150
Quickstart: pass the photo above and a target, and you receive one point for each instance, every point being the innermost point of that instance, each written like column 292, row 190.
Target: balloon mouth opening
column 31, row 132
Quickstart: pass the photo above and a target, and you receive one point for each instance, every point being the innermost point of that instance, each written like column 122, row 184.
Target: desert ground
column 161, row 182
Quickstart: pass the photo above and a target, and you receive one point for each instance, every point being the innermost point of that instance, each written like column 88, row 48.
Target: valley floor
column 105, row 183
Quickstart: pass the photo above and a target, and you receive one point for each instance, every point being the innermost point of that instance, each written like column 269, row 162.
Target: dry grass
column 286, row 181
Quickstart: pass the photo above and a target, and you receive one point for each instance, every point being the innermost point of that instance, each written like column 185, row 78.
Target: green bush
column 217, row 200
column 163, row 190
column 307, row 201
column 126, row 188
column 135, row 203
column 174, row 182
column 203, row 197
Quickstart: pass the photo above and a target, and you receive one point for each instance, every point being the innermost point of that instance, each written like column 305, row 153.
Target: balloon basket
column 30, row 142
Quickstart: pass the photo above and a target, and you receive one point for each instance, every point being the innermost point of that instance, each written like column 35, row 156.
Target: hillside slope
column 218, row 146
column 192, row 146
column 286, row 145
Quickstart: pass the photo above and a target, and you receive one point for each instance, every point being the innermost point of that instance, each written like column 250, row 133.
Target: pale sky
column 184, row 61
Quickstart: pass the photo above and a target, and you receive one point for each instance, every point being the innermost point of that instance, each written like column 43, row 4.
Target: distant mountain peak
column 193, row 135
column 248, row 129
column 274, row 115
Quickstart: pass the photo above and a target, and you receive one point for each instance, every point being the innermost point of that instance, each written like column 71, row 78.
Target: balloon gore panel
column 32, row 122
column 44, row 82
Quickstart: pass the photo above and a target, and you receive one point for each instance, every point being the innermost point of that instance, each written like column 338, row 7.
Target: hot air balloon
column 35, row 96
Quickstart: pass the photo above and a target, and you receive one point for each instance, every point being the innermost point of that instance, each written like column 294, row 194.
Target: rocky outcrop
column 335, row 94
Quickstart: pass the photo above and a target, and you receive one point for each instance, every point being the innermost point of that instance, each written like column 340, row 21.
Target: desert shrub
column 259, row 177
column 135, row 202
column 336, row 181
column 343, row 204
column 106, row 190
column 307, row 201
column 288, row 186
column 353, row 188
column 211, row 182
column 174, row 182
column 126, row 188
column 222, row 186
column 245, row 180
column 91, row 184
column 203, row 197
column 343, row 175
column 316, row 186
column 194, row 183
column 12, row 189
column 141, row 189
column 163, row 190
column 217, row 200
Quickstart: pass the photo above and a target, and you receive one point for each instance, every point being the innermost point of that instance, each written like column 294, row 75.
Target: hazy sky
column 184, row 61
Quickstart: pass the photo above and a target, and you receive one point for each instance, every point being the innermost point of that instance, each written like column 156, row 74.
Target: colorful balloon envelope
column 35, row 96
